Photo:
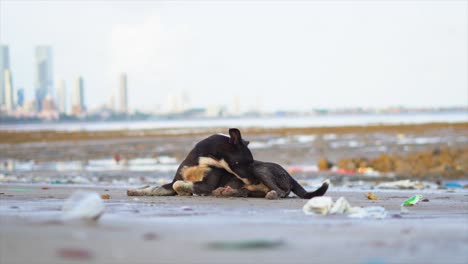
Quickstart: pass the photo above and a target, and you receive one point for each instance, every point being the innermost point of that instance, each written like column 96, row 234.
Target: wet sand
column 180, row 229
column 35, row 166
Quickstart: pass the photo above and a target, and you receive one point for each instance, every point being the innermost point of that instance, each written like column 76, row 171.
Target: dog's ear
column 235, row 136
column 245, row 142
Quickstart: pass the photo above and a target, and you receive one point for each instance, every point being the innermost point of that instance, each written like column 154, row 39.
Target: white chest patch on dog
column 206, row 161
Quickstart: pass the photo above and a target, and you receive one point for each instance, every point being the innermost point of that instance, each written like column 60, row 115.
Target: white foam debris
column 83, row 205
column 324, row 205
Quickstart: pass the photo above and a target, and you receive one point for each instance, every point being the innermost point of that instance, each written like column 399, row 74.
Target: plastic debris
column 318, row 205
column 453, row 185
column 105, row 196
column 371, row 196
column 83, row 205
column 403, row 184
column 377, row 212
column 324, row 205
column 368, row 171
column 18, row 190
column 245, row 244
column 412, row 201
column 341, row 206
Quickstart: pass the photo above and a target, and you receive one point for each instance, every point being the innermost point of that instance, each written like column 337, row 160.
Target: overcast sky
column 271, row 55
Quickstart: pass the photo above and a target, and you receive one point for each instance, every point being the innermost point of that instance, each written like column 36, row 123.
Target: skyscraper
column 9, row 93
column 43, row 73
column 20, row 97
column 61, row 97
column 123, row 102
column 4, row 65
column 78, row 104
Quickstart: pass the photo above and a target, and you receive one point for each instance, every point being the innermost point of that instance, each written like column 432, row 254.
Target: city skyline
column 313, row 56
column 4, row 65
column 43, row 85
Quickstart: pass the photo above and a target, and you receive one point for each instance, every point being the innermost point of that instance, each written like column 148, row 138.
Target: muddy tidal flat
column 39, row 170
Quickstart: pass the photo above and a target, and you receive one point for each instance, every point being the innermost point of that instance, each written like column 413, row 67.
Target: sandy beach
column 39, row 170
column 183, row 229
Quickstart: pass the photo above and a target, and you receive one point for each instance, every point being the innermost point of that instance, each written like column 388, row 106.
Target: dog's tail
column 302, row 193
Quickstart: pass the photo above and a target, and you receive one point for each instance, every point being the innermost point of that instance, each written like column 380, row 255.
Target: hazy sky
column 272, row 55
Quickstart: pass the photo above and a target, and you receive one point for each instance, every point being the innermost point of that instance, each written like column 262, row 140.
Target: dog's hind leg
column 183, row 188
column 151, row 191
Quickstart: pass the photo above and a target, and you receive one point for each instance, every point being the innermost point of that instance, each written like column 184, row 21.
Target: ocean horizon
column 330, row 120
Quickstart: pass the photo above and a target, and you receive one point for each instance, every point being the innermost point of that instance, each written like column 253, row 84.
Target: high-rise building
column 20, row 97
column 9, row 93
column 4, row 65
column 123, row 100
column 43, row 73
column 61, row 97
column 78, row 104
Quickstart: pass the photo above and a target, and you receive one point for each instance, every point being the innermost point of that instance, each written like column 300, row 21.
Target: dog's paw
column 225, row 192
column 138, row 191
column 183, row 188
column 228, row 191
column 271, row 195
column 218, row 191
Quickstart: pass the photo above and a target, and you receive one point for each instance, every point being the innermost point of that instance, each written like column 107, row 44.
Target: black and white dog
column 198, row 172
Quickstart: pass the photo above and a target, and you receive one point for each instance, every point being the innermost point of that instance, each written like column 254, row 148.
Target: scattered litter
column 245, row 244
column 117, row 158
column 453, row 185
column 397, row 216
column 412, row 201
column 371, row 196
column 45, row 188
column 186, row 208
column 83, row 205
column 368, row 171
column 341, row 206
column 105, row 196
column 403, row 184
column 18, row 189
column 318, row 205
column 425, row 200
column 75, row 253
column 324, row 205
column 377, row 212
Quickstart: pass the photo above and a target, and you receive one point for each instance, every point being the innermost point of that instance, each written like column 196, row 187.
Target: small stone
column 150, row 236
column 74, row 253
column 371, row 196
column 324, row 164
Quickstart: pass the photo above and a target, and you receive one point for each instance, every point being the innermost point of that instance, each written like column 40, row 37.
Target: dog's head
column 239, row 158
